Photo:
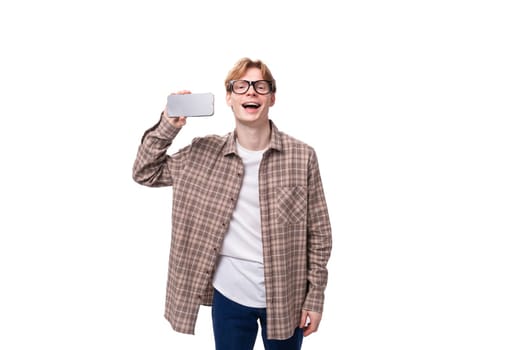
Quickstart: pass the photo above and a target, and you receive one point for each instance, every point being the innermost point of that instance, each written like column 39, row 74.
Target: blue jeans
column 235, row 327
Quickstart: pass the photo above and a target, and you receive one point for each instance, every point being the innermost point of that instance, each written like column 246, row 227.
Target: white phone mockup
column 191, row 105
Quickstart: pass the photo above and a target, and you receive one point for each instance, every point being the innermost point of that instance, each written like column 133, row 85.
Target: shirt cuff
column 166, row 130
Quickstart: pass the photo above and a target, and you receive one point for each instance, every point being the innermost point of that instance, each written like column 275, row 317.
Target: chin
column 252, row 119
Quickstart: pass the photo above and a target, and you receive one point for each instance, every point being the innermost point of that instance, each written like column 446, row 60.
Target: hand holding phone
column 190, row 105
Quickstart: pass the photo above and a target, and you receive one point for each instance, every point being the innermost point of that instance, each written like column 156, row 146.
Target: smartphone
column 191, row 105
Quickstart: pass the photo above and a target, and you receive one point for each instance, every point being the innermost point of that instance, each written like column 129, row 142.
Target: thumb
column 304, row 316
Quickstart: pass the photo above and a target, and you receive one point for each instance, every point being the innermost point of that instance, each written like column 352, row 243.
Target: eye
column 262, row 86
column 240, row 84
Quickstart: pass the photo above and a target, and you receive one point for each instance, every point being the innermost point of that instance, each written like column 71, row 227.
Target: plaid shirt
column 206, row 177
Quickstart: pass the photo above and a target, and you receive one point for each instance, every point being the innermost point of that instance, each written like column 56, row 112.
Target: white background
column 416, row 111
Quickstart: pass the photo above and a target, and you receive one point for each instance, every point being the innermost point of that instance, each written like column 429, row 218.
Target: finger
column 304, row 316
column 181, row 92
column 310, row 328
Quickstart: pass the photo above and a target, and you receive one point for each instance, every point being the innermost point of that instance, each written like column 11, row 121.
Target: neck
column 253, row 138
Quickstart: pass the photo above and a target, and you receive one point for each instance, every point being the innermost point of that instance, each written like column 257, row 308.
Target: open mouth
column 251, row 105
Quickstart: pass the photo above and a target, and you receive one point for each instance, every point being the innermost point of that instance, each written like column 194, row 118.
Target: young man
column 251, row 234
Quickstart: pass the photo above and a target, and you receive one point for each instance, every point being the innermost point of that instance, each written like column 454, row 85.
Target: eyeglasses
column 262, row 87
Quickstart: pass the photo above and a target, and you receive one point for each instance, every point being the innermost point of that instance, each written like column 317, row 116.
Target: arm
column 319, row 249
column 152, row 164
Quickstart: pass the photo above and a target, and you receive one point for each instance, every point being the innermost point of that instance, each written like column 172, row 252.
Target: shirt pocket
column 291, row 204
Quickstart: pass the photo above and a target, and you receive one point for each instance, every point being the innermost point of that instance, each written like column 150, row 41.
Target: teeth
column 250, row 104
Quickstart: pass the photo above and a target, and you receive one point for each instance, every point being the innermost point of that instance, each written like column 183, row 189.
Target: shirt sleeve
column 319, row 239
column 153, row 166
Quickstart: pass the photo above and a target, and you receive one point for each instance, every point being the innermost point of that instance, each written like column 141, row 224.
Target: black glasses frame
column 251, row 83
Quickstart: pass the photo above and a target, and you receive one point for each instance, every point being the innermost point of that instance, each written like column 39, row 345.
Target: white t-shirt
column 239, row 274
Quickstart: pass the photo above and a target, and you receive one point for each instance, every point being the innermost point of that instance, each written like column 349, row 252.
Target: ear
column 272, row 100
column 229, row 99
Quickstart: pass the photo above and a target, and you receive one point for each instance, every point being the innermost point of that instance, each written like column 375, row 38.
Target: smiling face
column 251, row 108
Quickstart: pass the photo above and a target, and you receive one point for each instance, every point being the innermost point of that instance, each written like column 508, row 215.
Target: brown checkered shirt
column 206, row 178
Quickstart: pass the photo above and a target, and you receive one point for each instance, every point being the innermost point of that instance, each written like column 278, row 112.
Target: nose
column 252, row 88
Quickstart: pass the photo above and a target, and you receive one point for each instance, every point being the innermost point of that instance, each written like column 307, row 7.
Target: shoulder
column 289, row 143
column 212, row 145
column 210, row 140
